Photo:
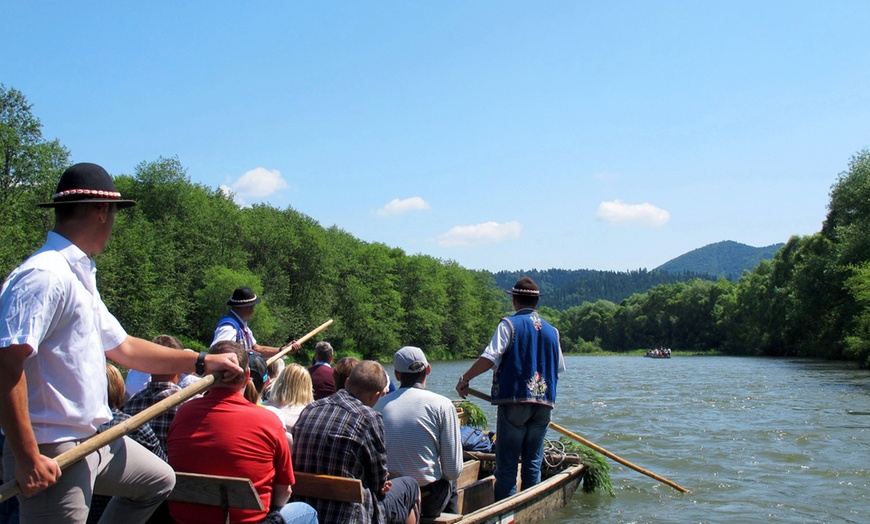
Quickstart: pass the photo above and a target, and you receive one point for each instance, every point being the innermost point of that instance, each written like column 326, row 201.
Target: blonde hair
column 293, row 387
column 116, row 387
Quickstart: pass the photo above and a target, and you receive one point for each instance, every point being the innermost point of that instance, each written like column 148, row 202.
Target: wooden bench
column 239, row 493
column 328, row 487
column 215, row 490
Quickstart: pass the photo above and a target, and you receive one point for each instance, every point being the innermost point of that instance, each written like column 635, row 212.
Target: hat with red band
column 86, row 182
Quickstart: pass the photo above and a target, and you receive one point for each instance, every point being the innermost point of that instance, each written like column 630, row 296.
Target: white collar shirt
column 51, row 303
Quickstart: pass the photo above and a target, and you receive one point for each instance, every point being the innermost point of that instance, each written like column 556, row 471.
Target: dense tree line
column 564, row 288
column 811, row 300
column 176, row 257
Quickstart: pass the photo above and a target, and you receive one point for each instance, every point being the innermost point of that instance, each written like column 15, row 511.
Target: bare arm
column 153, row 358
column 33, row 471
column 481, row 365
column 280, row 496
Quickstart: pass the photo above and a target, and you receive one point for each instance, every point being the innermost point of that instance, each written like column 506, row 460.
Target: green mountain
column 727, row 259
column 565, row 288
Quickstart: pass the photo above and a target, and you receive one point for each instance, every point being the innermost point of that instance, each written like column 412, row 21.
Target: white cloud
column 255, row 184
column 618, row 212
column 398, row 207
column 480, row 234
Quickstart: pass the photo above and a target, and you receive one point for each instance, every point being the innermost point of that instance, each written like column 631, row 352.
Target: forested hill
column 565, row 288
column 727, row 259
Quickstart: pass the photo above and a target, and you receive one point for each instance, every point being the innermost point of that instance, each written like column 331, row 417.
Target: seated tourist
column 342, row 370
column 159, row 388
column 275, row 369
column 290, row 393
column 222, row 433
column 422, row 434
column 321, row 370
column 342, row 435
column 259, row 377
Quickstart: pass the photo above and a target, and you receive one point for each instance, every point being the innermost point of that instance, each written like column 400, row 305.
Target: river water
column 755, row 440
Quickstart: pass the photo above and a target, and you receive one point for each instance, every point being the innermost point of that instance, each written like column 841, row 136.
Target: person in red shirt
column 206, row 437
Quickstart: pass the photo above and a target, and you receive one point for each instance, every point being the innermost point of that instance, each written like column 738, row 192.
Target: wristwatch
column 462, row 379
column 200, row 363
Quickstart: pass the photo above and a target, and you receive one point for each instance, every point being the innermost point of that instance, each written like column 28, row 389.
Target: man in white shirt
column 55, row 336
column 422, row 434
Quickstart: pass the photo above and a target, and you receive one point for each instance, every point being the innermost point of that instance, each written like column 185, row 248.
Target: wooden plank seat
column 328, row 487
column 216, row 490
column 239, row 493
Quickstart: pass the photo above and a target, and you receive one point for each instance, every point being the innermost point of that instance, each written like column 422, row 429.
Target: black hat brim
column 120, row 203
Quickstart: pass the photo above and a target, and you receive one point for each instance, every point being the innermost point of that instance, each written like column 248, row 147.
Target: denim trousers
column 520, row 431
column 299, row 513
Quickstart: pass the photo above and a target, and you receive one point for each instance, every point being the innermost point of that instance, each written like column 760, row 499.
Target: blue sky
column 502, row 135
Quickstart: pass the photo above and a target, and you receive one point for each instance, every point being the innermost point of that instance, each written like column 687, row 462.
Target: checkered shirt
column 153, row 393
column 339, row 435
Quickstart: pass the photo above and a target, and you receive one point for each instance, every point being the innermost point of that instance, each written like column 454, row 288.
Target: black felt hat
column 525, row 287
column 86, row 182
column 243, row 297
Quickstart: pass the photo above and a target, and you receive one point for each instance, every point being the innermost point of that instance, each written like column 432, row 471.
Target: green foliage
column 29, row 169
column 727, row 259
column 858, row 342
column 476, row 416
column 562, row 289
column 596, row 476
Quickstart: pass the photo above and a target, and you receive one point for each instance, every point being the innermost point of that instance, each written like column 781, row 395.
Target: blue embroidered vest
column 243, row 334
column 529, row 368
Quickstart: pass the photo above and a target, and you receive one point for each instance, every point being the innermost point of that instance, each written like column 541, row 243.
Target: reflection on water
column 756, row 440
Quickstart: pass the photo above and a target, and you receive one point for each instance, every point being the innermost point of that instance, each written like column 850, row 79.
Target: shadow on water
column 756, row 440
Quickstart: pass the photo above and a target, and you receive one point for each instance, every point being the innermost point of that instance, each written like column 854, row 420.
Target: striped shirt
column 423, row 437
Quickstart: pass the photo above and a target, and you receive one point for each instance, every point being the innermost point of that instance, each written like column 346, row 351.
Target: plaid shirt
column 143, row 434
column 153, row 393
column 339, row 435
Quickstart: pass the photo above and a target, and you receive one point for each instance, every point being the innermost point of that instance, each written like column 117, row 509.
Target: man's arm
column 481, row 365
column 280, row 496
column 450, row 453
column 156, row 359
column 33, row 471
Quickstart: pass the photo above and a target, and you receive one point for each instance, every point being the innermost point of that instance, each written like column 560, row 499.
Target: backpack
column 474, row 439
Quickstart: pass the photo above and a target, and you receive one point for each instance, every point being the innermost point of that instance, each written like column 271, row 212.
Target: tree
column 858, row 340
column 29, row 169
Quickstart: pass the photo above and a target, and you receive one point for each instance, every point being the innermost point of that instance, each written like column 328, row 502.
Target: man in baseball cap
column 422, row 434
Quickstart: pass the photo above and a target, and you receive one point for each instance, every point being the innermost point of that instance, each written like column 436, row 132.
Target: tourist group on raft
column 61, row 352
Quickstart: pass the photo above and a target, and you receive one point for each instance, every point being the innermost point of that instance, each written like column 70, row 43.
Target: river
column 755, row 440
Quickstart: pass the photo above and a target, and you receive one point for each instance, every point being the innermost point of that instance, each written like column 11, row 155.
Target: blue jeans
column 520, row 431
column 299, row 513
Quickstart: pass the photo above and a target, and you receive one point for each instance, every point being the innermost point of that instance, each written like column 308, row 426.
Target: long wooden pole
column 301, row 341
column 67, row 458
column 592, row 445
